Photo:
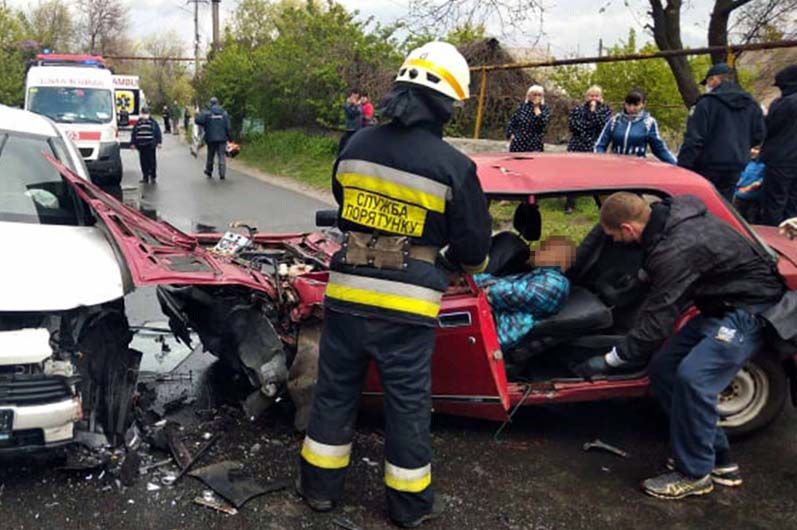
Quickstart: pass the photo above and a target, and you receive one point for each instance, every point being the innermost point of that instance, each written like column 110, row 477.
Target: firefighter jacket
column 402, row 179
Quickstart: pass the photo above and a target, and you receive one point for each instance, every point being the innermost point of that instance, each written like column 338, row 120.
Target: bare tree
column 754, row 15
column 50, row 24
column 765, row 20
column 103, row 23
column 437, row 17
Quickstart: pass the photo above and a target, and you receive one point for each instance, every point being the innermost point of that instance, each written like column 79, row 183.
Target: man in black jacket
column 690, row 257
column 146, row 138
column 779, row 152
column 216, row 124
column 725, row 123
column 403, row 194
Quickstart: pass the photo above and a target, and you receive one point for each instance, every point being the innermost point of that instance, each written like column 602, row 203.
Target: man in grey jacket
column 216, row 124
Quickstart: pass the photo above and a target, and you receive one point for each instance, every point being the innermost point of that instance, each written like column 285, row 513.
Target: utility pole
column 600, row 47
column 215, row 4
column 196, row 33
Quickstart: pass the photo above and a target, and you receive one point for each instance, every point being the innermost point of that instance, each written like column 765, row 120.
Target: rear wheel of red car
column 754, row 398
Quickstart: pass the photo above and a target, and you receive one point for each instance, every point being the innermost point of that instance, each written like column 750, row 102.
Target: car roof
column 536, row 173
column 23, row 121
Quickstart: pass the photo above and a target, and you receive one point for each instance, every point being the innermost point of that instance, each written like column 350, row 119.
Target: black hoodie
column 692, row 257
column 780, row 147
column 723, row 125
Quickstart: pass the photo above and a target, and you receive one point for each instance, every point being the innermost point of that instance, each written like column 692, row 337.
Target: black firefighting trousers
column 402, row 353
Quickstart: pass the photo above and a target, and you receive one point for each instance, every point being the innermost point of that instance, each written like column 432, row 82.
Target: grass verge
column 304, row 157
column 308, row 159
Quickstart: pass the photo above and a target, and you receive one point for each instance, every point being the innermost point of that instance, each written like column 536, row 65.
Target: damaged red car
column 256, row 302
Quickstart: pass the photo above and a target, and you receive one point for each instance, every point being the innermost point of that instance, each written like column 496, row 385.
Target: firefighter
column 403, row 194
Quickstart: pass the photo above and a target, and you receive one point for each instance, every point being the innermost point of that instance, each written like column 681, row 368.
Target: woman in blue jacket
column 631, row 132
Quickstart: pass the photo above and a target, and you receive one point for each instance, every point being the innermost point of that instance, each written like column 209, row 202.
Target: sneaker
column 438, row 507
column 208, row 174
column 568, row 210
column 143, row 181
column 317, row 505
column 675, row 485
column 726, row 474
column 221, row 177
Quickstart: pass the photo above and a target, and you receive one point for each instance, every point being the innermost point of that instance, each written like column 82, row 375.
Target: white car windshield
column 31, row 189
column 72, row 104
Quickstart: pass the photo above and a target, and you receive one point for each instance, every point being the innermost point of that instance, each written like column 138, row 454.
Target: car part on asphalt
column 202, row 450
column 228, row 480
column 215, row 504
column 603, row 446
column 345, row 524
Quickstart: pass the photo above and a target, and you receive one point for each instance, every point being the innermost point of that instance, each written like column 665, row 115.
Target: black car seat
column 510, row 252
column 583, row 313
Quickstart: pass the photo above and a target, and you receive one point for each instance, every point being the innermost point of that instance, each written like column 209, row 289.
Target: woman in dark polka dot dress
column 587, row 121
column 526, row 128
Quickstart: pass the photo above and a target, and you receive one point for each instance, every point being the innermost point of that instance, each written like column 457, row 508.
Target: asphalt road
column 536, row 477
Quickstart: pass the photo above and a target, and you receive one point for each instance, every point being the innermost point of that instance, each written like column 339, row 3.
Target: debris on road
column 603, row 446
column 346, row 524
column 215, row 504
column 229, row 481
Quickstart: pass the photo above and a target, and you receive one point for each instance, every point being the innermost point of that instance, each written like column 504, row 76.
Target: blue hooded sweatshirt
column 631, row 135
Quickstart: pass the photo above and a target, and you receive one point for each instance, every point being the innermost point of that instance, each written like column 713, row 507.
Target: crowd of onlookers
column 750, row 158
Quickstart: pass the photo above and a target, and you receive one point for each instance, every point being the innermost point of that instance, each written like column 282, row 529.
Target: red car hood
column 157, row 253
column 786, row 248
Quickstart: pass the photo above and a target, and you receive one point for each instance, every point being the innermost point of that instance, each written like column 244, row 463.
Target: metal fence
column 732, row 51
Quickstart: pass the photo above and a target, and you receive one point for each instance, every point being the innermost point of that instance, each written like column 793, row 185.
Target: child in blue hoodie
column 631, row 132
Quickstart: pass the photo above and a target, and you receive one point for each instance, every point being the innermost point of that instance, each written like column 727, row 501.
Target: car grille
column 86, row 152
column 22, row 391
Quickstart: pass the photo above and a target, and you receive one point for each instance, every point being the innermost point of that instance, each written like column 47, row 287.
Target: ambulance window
column 31, row 189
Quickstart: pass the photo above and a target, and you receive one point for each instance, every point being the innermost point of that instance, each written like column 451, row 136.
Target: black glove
column 592, row 367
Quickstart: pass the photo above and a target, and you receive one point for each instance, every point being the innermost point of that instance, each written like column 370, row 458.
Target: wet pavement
column 535, row 477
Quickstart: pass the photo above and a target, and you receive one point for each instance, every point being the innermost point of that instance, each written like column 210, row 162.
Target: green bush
column 297, row 154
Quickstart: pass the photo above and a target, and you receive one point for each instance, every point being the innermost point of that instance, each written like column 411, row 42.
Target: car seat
column 582, row 313
column 510, row 252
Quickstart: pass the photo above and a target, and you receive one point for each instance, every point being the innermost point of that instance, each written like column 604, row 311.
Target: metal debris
column 228, row 480
column 603, row 446
column 216, row 504
column 346, row 524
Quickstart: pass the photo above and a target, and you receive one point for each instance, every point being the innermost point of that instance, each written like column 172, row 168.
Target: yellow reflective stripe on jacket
column 385, row 294
column 408, row 480
column 326, row 456
column 394, row 183
column 440, row 72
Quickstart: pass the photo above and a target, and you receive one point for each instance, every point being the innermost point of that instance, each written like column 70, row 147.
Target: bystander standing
column 779, row 152
column 526, row 127
column 725, row 123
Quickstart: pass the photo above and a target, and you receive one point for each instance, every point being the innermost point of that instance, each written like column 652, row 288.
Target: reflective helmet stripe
column 440, row 71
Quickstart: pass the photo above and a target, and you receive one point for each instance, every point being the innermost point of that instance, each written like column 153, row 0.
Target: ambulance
column 77, row 93
column 129, row 99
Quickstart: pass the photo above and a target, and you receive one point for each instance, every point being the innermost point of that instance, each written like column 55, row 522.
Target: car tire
column 754, row 398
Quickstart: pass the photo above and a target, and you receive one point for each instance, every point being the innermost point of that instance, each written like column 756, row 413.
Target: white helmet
column 439, row 66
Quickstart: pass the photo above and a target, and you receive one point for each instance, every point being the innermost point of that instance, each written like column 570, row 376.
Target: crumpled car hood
column 54, row 268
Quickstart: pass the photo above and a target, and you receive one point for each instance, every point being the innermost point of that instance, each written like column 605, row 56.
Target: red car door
column 468, row 376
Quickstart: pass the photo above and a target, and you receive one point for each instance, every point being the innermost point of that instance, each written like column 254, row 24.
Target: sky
column 572, row 27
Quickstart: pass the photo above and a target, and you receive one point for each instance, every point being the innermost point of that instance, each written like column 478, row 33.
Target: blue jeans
column 687, row 376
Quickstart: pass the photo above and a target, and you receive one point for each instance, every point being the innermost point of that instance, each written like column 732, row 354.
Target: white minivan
column 60, row 280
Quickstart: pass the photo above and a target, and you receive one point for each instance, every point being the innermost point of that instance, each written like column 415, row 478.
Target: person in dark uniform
column 734, row 283
column 216, row 124
column 779, row 152
column 403, row 194
column 725, row 123
column 167, row 119
column 146, row 138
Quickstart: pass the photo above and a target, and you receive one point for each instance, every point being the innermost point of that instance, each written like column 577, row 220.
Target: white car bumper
column 56, row 420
